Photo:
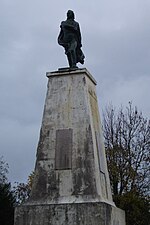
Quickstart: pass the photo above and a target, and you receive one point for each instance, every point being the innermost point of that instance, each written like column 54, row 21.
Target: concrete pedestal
column 70, row 214
column 71, row 184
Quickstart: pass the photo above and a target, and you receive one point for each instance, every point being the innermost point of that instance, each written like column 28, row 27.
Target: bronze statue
column 70, row 39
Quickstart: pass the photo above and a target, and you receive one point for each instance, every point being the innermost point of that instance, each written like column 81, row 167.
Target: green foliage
column 137, row 208
column 22, row 190
column 7, row 198
column 7, row 202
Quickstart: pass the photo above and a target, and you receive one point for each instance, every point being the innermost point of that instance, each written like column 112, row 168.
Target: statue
column 70, row 38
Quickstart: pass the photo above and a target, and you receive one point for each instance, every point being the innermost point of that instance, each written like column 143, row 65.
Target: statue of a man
column 70, row 39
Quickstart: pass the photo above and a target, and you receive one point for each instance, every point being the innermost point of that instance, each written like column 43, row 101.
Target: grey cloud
column 115, row 37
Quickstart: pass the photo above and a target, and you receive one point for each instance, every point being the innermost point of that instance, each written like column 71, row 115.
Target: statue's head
column 70, row 14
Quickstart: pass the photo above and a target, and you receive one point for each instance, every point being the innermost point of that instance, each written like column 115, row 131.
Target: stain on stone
column 40, row 154
column 53, row 191
column 108, row 214
column 88, row 165
column 77, row 182
column 48, row 133
column 44, row 134
column 84, row 80
column 66, row 215
column 83, row 179
column 40, row 184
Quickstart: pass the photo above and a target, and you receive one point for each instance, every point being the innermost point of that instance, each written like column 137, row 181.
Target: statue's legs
column 74, row 58
column 71, row 54
column 69, row 59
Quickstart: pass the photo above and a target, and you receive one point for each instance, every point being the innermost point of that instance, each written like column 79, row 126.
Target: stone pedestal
column 70, row 214
column 71, row 184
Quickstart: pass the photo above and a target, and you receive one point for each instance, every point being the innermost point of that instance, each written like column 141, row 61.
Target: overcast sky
column 116, row 43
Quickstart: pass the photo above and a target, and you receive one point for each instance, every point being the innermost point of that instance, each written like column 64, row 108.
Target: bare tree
column 127, row 143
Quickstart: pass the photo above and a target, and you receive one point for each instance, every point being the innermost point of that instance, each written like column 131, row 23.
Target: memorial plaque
column 63, row 155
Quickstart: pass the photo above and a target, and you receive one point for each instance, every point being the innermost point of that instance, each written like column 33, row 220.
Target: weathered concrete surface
column 70, row 214
column 71, row 184
column 70, row 156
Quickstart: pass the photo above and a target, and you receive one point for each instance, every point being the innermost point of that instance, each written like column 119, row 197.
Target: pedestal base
column 69, row 214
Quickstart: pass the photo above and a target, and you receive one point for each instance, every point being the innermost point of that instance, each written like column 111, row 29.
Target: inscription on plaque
column 63, row 154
